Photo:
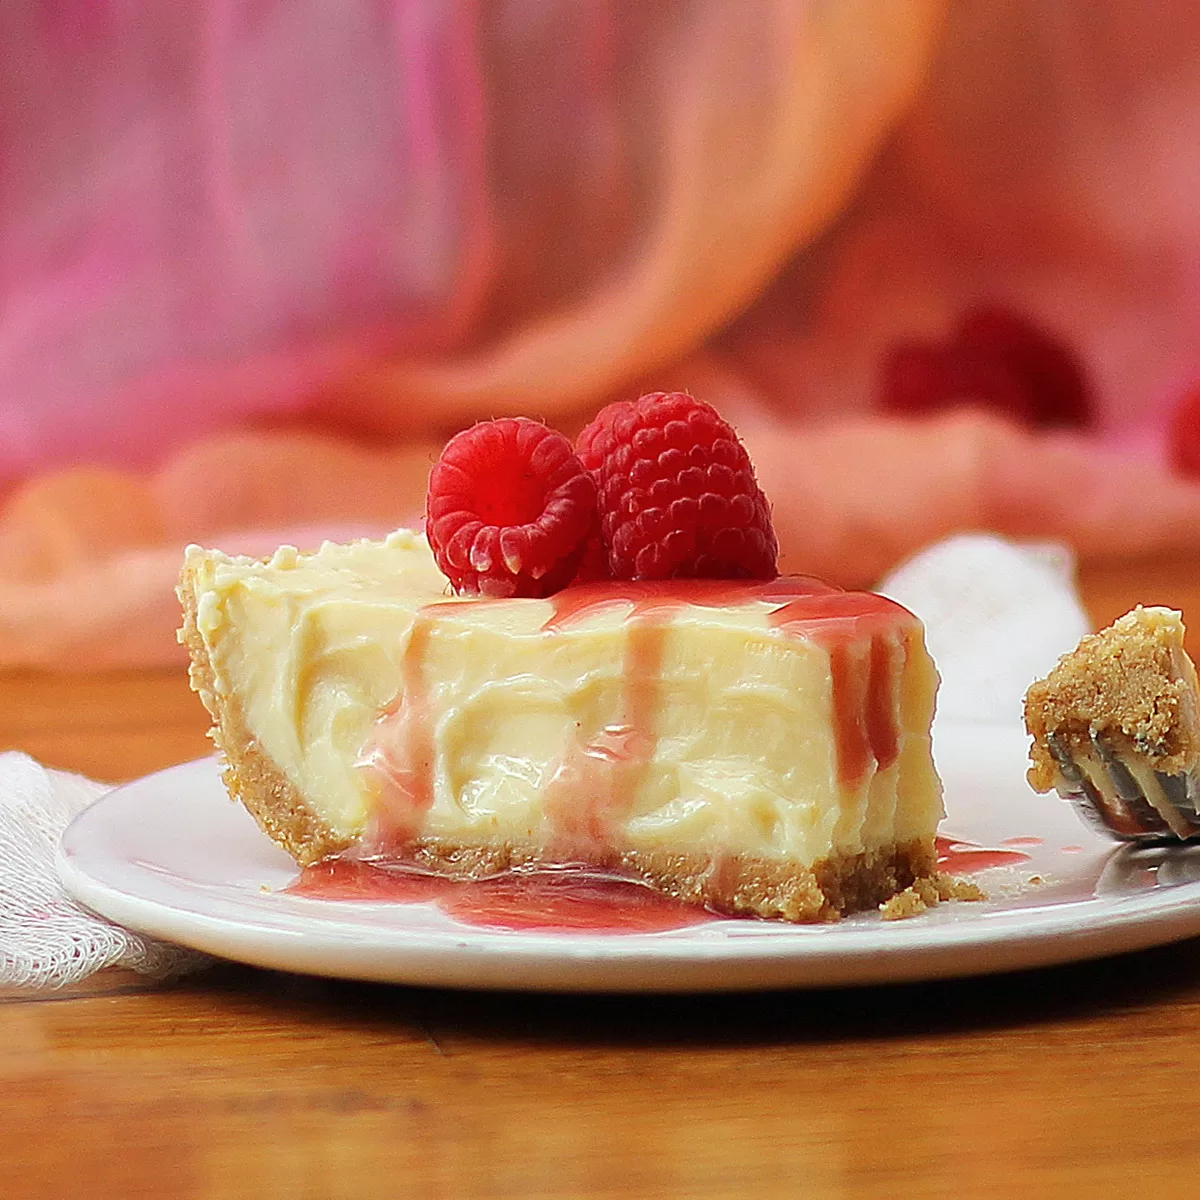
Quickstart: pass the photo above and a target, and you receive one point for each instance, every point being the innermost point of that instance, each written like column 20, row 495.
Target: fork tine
column 1138, row 806
column 1119, row 807
column 1171, row 797
column 1179, row 791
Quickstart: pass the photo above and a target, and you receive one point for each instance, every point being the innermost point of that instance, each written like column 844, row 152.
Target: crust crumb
column 925, row 894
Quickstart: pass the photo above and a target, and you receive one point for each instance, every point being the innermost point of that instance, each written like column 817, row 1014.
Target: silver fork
column 1123, row 795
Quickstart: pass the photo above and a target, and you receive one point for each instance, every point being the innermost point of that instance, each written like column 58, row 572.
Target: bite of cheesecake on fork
column 1116, row 729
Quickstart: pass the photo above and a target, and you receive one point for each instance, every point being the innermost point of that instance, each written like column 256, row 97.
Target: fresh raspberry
column 510, row 509
column 1183, row 435
column 995, row 358
column 677, row 493
column 593, row 567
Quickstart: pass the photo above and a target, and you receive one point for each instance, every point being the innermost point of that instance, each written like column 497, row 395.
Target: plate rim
column 776, row 957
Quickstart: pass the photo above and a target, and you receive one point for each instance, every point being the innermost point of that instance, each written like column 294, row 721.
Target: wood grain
column 1071, row 1082
column 112, row 727
column 1112, row 588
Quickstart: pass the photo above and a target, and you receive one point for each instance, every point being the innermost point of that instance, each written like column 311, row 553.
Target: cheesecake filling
column 703, row 719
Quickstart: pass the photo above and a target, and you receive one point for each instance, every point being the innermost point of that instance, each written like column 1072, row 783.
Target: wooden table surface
column 1070, row 1082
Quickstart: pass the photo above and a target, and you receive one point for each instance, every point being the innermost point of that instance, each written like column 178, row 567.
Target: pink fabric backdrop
column 256, row 259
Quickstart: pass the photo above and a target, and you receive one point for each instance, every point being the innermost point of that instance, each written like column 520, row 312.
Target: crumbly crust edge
column 250, row 775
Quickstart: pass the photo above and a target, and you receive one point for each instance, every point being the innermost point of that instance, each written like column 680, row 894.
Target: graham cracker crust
column 1131, row 684
column 735, row 885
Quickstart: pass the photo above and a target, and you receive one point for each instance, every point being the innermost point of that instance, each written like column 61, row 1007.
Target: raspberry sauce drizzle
column 866, row 677
column 957, row 856
column 594, row 786
column 651, row 597
column 591, row 789
column 399, row 757
column 562, row 901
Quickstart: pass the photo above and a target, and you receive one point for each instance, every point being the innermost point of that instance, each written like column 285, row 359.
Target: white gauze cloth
column 997, row 616
column 46, row 939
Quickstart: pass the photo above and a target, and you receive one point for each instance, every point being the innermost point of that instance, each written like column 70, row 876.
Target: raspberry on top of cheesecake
column 759, row 745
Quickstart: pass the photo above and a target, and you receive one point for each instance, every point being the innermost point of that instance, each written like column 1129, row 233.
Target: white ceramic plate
column 171, row 856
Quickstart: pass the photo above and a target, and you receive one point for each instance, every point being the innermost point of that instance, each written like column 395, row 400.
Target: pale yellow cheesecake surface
column 760, row 748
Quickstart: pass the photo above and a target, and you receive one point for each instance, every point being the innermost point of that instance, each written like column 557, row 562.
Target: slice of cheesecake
column 1116, row 728
column 757, row 748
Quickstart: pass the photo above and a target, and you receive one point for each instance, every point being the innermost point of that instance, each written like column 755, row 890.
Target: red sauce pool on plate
column 345, row 879
column 958, row 857
column 545, row 901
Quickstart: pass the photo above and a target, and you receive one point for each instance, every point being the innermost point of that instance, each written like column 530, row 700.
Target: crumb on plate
column 928, row 893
